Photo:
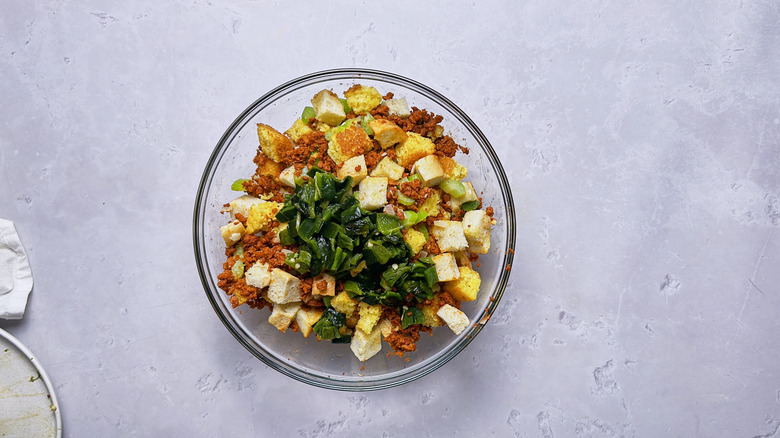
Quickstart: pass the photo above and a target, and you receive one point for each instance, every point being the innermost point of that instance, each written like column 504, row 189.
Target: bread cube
column 373, row 192
column 350, row 142
column 369, row 316
column 298, row 130
column 324, row 285
column 354, row 167
column 398, row 107
column 446, row 268
column 386, row 327
column 431, row 205
column 414, row 239
column 258, row 275
column 273, row 143
column 470, row 195
column 284, row 287
column 282, row 315
column 344, row 304
column 466, row 287
column 462, row 258
column 306, row 318
column 241, row 205
column 328, row 108
column 387, row 133
column 366, row 345
column 269, row 167
column 452, row 169
column 449, row 236
column 362, row 99
column 429, row 169
column 388, row 168
column 476, row 227
column 429, row 312
column 413, row 148
column 261, row 216
column 287, row 177
column 232, row 232
column 456, row 320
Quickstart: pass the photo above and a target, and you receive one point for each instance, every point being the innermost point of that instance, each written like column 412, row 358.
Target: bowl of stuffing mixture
column 354, row 229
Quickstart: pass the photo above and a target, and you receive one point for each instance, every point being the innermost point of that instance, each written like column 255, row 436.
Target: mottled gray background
column 641, row 138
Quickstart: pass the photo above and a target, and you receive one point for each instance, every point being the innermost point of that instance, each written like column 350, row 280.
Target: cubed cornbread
column 306, row 318
column 232, row 232
column 414, row 239
column 429, row 313
column 387, row 133
column 373, row 192
column 466, row 287
column 328, row 108
column 431, row 205
column 287, row 177
column 269, row 167
column 398, row 107
column 258, row 275
column 273, row 143
column 324, row 285
column 449, row 235
column 241, row 205
column 388, row 168
column 456, row 320
column 282, row 315
column 348, row 143
column 452, row 169
column 354, row 167
column 429, row 169
column 261, row 215
column 284, row 287
column 366, row 345
column 369, row 316
column 446, row 268
column 362, row 99
column 344, row 304
column 413, row 148
column 476, row 227
column 298, row 130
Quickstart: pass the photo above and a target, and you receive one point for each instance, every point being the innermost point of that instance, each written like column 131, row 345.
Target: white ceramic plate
column 28, row 406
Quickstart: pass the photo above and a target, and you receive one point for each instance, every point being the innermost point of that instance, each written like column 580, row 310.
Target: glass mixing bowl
column 322, row 363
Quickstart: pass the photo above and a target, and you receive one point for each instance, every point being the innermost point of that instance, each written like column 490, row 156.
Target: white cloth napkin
column 15, row 275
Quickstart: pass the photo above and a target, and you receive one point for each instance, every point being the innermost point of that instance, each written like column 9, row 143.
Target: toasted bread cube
column 282, row 315
column 241, row 205
column 298, row 130
column 270, row 168
column 354, row 167
column 476, row 227
column 414, row 239
column 398, row 107
column 369, row 316
column 462, row 258
column 344, row 304
column 306, row 318
column 273, row 143
column 261, row 216
column 466, row 287
column 431, row 205
column 284, row 287
column 373, row 192
column 470, row 195
column 324, row 285
column 287, row 177
column 362, row 99
column 452, row 169
column 387, row 133
column 350, row 142
column 388, row 168
column 258, row 275
column 429, row 169
column 328, row 108
column 366, row 345
column 386, row 327
column 413, row 148
column 446, row 268
column 456, row 320
column 232, row 232
column 449, row 236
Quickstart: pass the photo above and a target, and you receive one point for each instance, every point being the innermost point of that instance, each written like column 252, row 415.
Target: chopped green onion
column 238, row 270
column 308, row 113
column 238, row 185
column 345, row 104
column 454, row 188
column 405, row 200
column 423, row 229
column 364, row 123
column 468, row 206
